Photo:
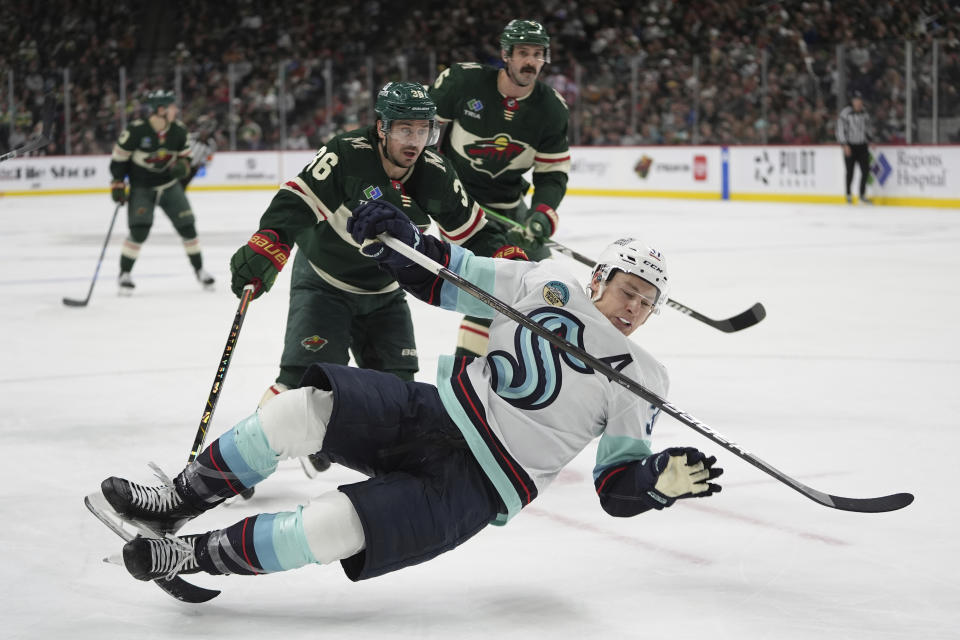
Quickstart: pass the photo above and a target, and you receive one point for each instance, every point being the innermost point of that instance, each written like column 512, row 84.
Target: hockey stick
column 40, row 141
column 862, row 505
column 70, row 302
column 743, row 320
column 221, row 372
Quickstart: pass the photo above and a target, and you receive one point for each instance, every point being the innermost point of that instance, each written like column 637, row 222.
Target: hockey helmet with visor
column 407, row 101
column 635, row 257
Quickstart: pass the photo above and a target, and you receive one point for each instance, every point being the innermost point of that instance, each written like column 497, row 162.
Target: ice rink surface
column 849, row 385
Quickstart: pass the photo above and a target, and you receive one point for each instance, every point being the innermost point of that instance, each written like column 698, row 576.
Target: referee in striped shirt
column 852, row 129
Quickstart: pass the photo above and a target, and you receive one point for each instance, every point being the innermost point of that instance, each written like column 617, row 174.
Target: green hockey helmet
column 406, row 101
column 525, row 32
column 159, row 98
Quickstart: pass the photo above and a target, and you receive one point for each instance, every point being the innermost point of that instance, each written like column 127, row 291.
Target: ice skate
column 204, row 277
column 126, row 283
column 160, row 508
column 160, row 558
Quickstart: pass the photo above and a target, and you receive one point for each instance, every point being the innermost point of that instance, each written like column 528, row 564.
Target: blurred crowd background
column 290, row 74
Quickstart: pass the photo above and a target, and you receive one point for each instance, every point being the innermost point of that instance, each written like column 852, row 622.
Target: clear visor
column 413, row 132
column 646, row 302
column 655, row 303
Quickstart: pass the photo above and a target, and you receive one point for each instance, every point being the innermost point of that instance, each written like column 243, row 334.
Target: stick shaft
column 221, row 375
column 96, row 271
column 887, row 503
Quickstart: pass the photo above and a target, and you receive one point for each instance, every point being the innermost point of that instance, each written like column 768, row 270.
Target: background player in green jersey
column 154, row 153
column 340, row 300
column 502, row 123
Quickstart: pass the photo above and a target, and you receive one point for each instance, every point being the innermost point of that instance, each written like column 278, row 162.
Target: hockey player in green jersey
column 340, row 301
column 154, row 154
column 502, row 123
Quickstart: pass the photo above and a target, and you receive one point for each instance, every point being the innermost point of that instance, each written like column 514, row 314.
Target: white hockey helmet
column 635, row 257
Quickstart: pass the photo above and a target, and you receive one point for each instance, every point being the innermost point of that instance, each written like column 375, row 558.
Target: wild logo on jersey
column 493, row 155
column 313, row 343
column 532, row 380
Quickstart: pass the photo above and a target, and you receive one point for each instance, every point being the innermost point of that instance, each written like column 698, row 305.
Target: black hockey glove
column 258, row 262
column 542, row 223
column 372, row 218
column 118, row 191
column 677, row 472
column 180, row 169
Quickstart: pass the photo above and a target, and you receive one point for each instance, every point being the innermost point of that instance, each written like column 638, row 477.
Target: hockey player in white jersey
column 443, row 461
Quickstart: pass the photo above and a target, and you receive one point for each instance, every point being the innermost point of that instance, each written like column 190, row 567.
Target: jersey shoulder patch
column 435, row 159
column 358, row 142
column 560, row 98
column 468, row 66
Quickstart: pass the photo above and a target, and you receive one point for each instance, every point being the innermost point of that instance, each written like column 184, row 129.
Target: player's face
column 627, row 301
column 406, row 141
column 524, row 65
column 168, row 112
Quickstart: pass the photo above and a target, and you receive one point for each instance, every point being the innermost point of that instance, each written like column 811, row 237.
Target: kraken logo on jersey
column 533, row 380
column 493, row 155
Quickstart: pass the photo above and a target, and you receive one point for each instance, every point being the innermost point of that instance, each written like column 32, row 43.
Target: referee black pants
column 861, row 156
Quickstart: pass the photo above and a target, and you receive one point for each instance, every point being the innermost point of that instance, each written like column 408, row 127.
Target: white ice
column 849, row 385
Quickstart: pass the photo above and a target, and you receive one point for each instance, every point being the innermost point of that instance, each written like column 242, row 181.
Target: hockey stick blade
column 176, row 586
column 741, row 321
column 861, row 505
column 70, row 302
column 872, row 505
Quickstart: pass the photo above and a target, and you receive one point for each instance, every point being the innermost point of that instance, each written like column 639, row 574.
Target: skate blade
column 308, row 467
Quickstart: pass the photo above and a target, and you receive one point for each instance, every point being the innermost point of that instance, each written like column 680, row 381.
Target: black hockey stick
column 175, row 586
column 743, row 320
column 218, row 379
column 70, row 302
column 40, row 141
column 863, row 505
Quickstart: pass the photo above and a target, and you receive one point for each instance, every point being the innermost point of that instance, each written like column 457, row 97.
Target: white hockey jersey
column 527, row 408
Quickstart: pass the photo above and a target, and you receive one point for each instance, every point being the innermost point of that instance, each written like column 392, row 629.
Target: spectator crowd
column 648, row 72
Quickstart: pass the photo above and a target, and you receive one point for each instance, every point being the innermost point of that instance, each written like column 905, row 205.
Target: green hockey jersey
column 493, row 140
column 313, row 208
column 146, row 156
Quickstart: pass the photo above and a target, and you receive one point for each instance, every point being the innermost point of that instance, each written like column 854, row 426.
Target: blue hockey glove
column 675, row 473
column 372, row 218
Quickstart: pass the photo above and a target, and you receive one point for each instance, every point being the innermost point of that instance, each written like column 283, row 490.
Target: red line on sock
column 243, row 545
column 222, row 474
